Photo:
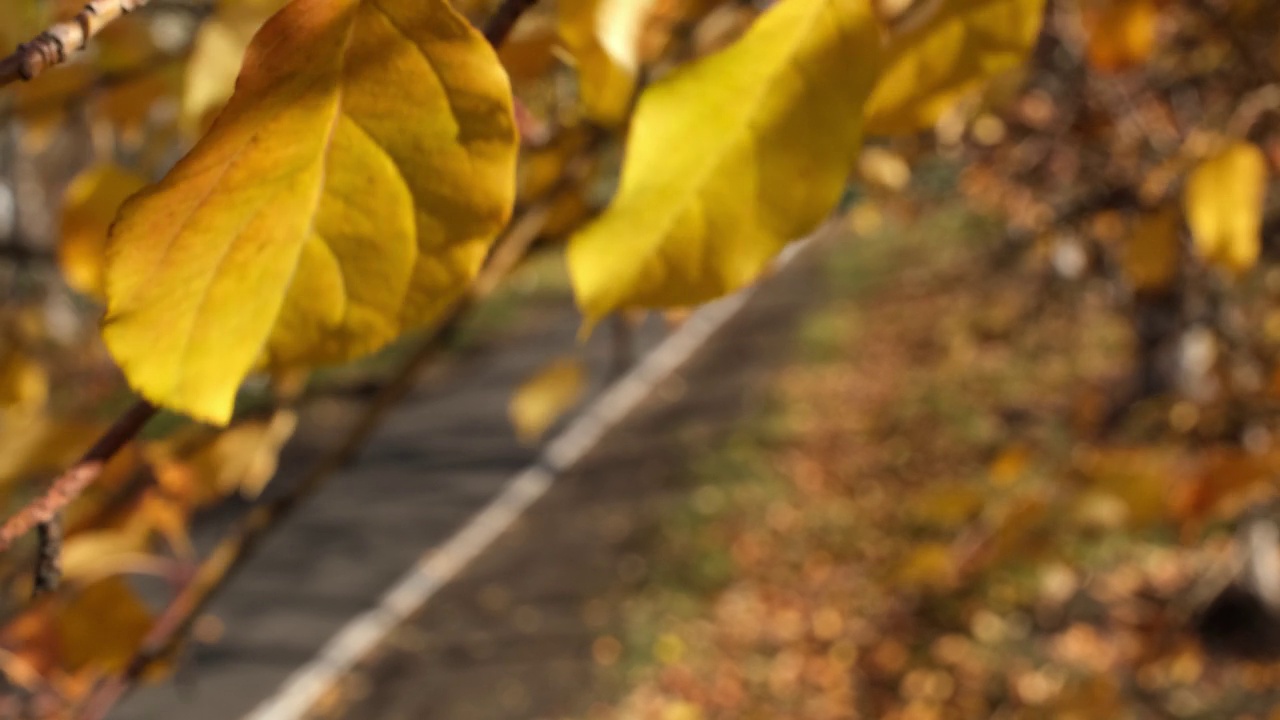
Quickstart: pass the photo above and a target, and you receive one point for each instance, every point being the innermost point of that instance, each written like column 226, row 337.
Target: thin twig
column 52, row 46
column 48, row 554
column 70, row 484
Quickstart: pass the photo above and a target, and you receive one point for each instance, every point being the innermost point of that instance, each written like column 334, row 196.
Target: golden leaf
column 1223, row 201
column 349, row 191
column 211, row 71
column 199, row 466
column 24, row 384
column 605, row 86
column 91, row 203
column 101, row 627
column 953, row 49
column 91, row 556
column 1120, row 33
column 544, row 397
column 730, row 159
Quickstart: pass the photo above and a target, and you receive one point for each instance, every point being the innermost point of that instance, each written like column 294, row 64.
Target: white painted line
column 302, row 690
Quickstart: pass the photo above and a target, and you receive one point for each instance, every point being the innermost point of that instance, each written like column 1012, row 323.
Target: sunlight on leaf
column 348, row 192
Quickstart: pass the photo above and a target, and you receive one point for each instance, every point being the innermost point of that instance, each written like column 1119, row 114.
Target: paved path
column 444, row 453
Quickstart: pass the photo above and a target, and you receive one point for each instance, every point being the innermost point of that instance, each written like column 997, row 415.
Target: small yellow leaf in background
column 348, row 192
column 1119, row 34
column 91, row 203
column 545, row 397
column 201, row 465
column 95, row 555
column 102, row 626
column 957, row 47
column 24, row 384
column 1223, row 200
column 245, row 457
column 1150, row 258
column 619, row 25
column 39, row 444
column 211, row 71
column 731, row 158
column 929, row 566
column 884, row 168
column 605, row 85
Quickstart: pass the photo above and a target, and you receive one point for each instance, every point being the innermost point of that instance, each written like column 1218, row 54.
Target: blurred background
column 1000, row 443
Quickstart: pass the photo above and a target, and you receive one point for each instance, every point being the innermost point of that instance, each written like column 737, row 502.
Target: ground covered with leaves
column 951, row 512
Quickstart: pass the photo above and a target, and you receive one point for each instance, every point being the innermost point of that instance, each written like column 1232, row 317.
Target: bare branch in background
column 53, row 46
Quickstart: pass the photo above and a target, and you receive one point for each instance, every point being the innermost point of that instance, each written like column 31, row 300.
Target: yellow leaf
column 30, row 445
column 929, row 566
column 953, row 49
column 91, row 203
column 1120, row 33
column 605, row 86
column 619, row 24
column 91, row 556
column 349, row 191
column 730, row 159
column 244, row 458
column 884, row 168
column 24, row 384
column 1223, row 200
column 211, row 71
column 1151, row 256
column 102, row 626
column 543, row 398
column 199, row 466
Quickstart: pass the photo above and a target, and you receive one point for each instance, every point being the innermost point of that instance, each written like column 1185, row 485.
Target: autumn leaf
column 91, row 556
column 91, row 203
column 545, row 397
column 1223, row 200
column 24, row 383
column 42, row 444
column 211, row 72
column 730, row 159
column 348, row 191
column 102, row 626
column 953, row 48
column 605, row 85
column 1120, row 33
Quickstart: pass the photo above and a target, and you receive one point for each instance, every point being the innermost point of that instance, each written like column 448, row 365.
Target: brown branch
column 70, row 484
column 52, row 46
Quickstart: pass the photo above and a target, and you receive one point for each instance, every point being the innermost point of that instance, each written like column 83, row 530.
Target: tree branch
column 51, row 47
column 70, row 484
